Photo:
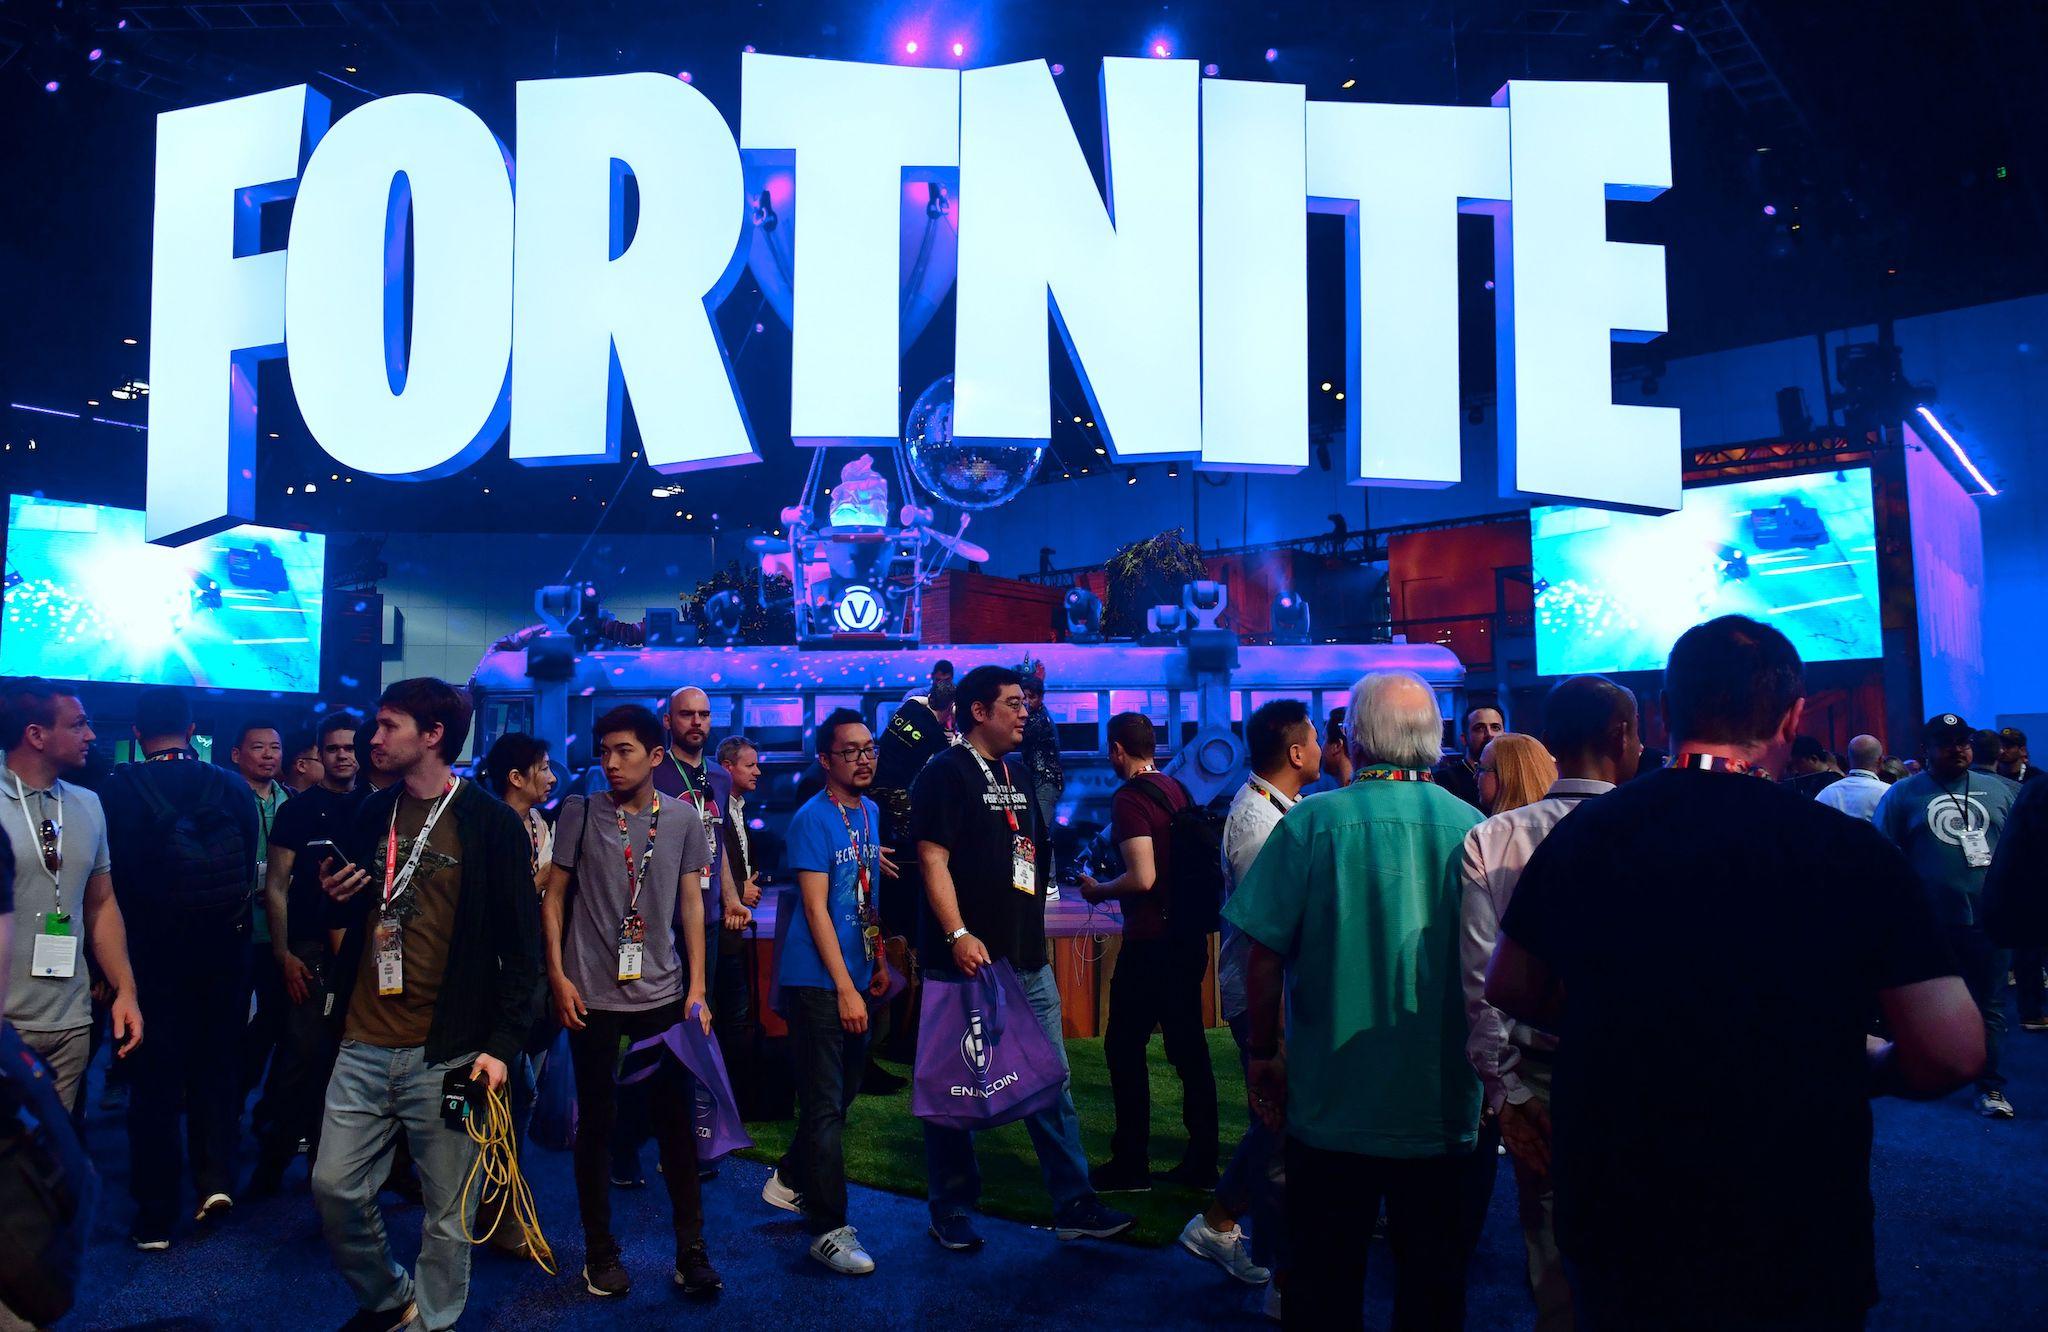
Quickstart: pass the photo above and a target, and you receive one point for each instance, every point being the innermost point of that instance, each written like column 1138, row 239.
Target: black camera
column 462, row 1097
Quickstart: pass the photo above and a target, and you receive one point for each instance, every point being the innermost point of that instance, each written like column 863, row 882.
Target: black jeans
column 2027, row 970
column 295, row 1093
column 829, row 1062
column 1158, row 983
column 265, row 1028
column 728, row 1013
column 1983, row 968
column 1330, row 1209
column 194, row 977
column 594, row 1052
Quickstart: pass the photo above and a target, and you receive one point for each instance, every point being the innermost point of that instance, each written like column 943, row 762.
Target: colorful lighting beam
column 1957, row 449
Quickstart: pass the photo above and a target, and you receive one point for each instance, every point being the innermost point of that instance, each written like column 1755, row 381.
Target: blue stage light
column 1290, row 619
column 1084, row 616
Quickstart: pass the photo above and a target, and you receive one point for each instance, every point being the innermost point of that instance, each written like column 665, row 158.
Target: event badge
column 56, row 950
column 390, row 946
column 1976, row 848
column 632, row 943
column 1023, row 865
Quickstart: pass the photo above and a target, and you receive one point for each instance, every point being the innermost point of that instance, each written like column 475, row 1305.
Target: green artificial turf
column 885, row 1145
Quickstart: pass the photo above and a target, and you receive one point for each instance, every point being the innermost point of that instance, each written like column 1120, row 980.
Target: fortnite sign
column 1182, row 298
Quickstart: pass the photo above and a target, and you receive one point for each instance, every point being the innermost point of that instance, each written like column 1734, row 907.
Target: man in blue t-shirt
column 1948, row 819
column 829, row 965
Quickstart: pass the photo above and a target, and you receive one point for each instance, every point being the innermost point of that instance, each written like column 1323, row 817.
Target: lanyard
column 1709, row 762
column 696, row 789
column 35, row 834
column 1272, row 797
column 536, row 832
column 637, row 877
column 864, row 838
column 1000, row 788
column 739, row 837
column 1391, row 775
column 1961, row 803
column 397, row 881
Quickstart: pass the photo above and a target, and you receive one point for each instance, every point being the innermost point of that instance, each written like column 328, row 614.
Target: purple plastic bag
column 982, row 1058
column 788, row 903
column 720, row 1130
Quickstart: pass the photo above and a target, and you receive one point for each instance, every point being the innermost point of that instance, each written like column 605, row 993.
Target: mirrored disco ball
column 970, row 476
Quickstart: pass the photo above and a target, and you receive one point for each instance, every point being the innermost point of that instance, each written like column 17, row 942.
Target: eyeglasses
column 1015, row 704
column 53, row 854
column 851, row 755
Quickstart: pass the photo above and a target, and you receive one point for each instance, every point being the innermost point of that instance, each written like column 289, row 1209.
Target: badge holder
column 390, row 945
column 56, row 949
column 632, row 946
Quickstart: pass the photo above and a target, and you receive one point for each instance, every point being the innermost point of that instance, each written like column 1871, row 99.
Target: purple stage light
column 684, row 76
column 1770, row 210
column 1160, row 50
column 1271, row 55
column 1209, row 70
column 52, row 86
column 1678, row 27
column 748, row 48
column 1058, row 70
column 94, row 54
column 959, row 49
column 910, row 48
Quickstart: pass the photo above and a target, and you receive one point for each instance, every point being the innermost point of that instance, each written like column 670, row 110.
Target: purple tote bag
column 982, row 1058
column 720, row 1130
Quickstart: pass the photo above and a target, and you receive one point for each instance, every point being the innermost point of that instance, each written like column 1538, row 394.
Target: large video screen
column 1615, row 590
column 86, row 598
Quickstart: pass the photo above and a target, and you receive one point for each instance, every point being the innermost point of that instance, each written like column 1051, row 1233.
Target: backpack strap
column 160, row 809
column 1151, row 792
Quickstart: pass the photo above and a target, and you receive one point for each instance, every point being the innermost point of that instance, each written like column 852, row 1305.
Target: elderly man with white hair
column 1352, row 908
column 1857, row 794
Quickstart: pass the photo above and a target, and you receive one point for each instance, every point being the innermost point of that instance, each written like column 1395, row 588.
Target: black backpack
column 47, row 1189
column 201, row 856
column 1194, row 898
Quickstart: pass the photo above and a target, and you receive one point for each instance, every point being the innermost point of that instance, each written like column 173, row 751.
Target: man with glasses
column 830, row 962
column 985, row 859
column 64, row 887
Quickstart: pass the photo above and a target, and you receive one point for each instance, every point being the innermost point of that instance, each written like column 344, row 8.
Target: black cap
column 1945, row 728
column 1806, row 747
column 2013, row 735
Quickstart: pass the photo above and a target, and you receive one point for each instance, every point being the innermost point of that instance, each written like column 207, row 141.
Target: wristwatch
column 957, row 935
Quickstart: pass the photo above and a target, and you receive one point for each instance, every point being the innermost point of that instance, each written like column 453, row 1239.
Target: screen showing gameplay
column 86, row 598
column 1615, row 590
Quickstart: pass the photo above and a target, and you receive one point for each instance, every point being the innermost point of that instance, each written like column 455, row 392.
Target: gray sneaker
column 841, row 1251
column 1991, row 1104
column 1225, row 1248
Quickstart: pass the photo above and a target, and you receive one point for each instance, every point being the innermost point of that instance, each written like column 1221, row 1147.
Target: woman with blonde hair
column 1514, row 770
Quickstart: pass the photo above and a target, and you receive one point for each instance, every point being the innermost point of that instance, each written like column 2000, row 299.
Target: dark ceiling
column 1899, row 142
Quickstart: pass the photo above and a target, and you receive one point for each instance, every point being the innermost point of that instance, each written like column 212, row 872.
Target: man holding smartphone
column 448, row 954
column 308, row 832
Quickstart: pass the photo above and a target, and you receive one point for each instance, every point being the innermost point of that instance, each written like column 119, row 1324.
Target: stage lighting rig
column 1083, row 610
column 1290, row 619
column 723, row 614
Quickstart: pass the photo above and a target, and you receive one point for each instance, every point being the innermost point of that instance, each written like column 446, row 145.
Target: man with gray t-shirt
column 618, row 976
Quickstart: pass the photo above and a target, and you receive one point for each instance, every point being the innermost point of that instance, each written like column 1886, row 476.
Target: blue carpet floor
column 1962, row 1244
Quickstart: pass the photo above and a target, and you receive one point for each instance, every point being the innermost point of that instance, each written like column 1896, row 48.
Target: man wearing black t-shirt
column 300, row 945
column 1704, row 910
column 984, row 857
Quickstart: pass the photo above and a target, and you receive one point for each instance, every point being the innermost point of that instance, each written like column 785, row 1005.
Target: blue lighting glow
column 1957, row 449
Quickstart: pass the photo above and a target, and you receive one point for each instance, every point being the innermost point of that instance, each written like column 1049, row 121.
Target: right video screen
column 1615, row 590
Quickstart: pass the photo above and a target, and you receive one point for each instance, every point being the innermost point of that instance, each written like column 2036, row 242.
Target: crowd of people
column 1424, row 960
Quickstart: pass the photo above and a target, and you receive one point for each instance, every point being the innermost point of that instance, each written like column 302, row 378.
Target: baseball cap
column 1945, row 727
column 2013, row 735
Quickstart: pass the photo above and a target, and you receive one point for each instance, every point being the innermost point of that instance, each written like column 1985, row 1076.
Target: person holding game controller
column 447, row 955
column 626, row 955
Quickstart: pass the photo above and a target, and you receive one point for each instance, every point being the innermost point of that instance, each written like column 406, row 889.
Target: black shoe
column 1090, row 1219
column 1120, row 1177
column 695, row 1274
column 602, row 1274
column 381, row 1320
column 879, row 1081
column 955, row 1233
column 1189, row 1175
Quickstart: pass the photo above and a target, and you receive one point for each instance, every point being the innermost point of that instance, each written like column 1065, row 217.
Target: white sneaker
column 778, row 1194
column 216, row 1205
column 1272, row 1309
column 1225, row 1248
column 840, row 1250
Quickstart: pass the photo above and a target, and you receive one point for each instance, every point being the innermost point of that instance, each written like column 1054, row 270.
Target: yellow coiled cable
column 497, row 1162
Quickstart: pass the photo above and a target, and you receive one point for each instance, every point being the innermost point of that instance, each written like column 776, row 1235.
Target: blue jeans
column 374, row 1094
column 1254, row 1184
column 953, row 1180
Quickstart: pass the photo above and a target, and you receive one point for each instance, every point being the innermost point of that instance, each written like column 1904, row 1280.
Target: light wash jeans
column 374, row 1094
column 953, row 1179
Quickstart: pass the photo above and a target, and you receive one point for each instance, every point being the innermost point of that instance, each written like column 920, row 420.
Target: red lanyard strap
column 1002, row 789
column 859, row 840
column 636, row 877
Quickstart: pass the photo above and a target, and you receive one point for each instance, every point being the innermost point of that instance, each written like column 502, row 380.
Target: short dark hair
column 1333, row 726
column 1267, row 731
column 1731, row 681
column 514, row 751
column 1484, row 707
column 162, row 710
column 430, row 703
column 979, row 687
column 1807, row 748
column 25, row 701
column 336, row 721
column 828, row 729
column 942, row 664
column 1984, row 746
column 257, row 724
column 1580, row 713
column 632, row 718
column 1133, row 730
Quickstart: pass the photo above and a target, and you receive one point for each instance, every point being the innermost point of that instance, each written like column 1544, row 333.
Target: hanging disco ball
column 977, row 475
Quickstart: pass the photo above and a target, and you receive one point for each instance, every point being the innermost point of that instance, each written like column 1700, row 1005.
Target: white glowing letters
column 1180, row 290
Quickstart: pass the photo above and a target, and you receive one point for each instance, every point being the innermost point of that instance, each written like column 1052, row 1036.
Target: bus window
column 505, row 716
column 1261, row 697
column 1077, row 715
column 774, row 722
column 823, row 705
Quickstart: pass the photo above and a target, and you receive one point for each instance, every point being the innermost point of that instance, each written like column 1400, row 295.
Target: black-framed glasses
column 53, row 852
column 853, row 755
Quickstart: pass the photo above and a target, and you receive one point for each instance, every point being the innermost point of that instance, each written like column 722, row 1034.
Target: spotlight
column 1271, row 55
column 1204, row 600
column 52, row 86
column 910, row 48
column 1083, row 612
column 94, row 54
column 1159, row 50
column 1770, row 210
column 685, row 76
column 959, row 49
column 1209, row 70
column 1290, row 619
column 722, row 616
column 1163, row 625
column 1131, row 477
column 1058, row 70
column 555, row 604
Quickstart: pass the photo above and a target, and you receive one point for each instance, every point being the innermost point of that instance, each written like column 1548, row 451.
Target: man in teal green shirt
column 1355, row 901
